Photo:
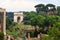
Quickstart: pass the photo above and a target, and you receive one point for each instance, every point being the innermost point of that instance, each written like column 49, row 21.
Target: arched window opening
column 18, row 19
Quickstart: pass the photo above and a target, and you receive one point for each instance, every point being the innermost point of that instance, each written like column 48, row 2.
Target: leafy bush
column 1, row 36
column 31, row 33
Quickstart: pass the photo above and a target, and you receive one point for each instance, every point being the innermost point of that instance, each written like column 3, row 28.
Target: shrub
column 1, row 36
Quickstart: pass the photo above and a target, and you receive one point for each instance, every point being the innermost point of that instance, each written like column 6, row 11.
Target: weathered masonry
column 18, row 17
column 3, row 21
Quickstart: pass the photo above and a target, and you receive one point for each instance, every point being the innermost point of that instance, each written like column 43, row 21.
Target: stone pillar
column 21, row 18
column 20, row 38
column 29, row 38
column 40, row 36
column 15, row 18
column 3, row 21
column 4, row 25
column 8, row 37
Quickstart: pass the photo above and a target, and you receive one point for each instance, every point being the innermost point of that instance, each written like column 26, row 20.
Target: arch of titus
column 18, row 17
column 3, row 21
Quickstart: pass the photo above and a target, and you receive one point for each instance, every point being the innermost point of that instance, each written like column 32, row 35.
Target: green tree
column 58, row 9
column 33, row 20
column 51, row 7
column 28, row 16
column 40, row 20
column 40, row 7
column 43, row 9
column 8, row 22
column 50, row 20
column 54, row 32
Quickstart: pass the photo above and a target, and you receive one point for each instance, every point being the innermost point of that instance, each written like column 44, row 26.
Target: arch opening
column 18, row 19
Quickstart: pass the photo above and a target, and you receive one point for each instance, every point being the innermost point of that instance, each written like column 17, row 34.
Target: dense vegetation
column 1, row 36
column 48, row 24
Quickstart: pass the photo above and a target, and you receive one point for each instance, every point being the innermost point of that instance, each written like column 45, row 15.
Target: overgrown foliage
column 1, row 36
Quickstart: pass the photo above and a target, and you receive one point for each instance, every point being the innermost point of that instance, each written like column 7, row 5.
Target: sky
column 25, row 5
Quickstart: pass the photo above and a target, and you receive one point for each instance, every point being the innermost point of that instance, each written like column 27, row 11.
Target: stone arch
column 18, row 17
